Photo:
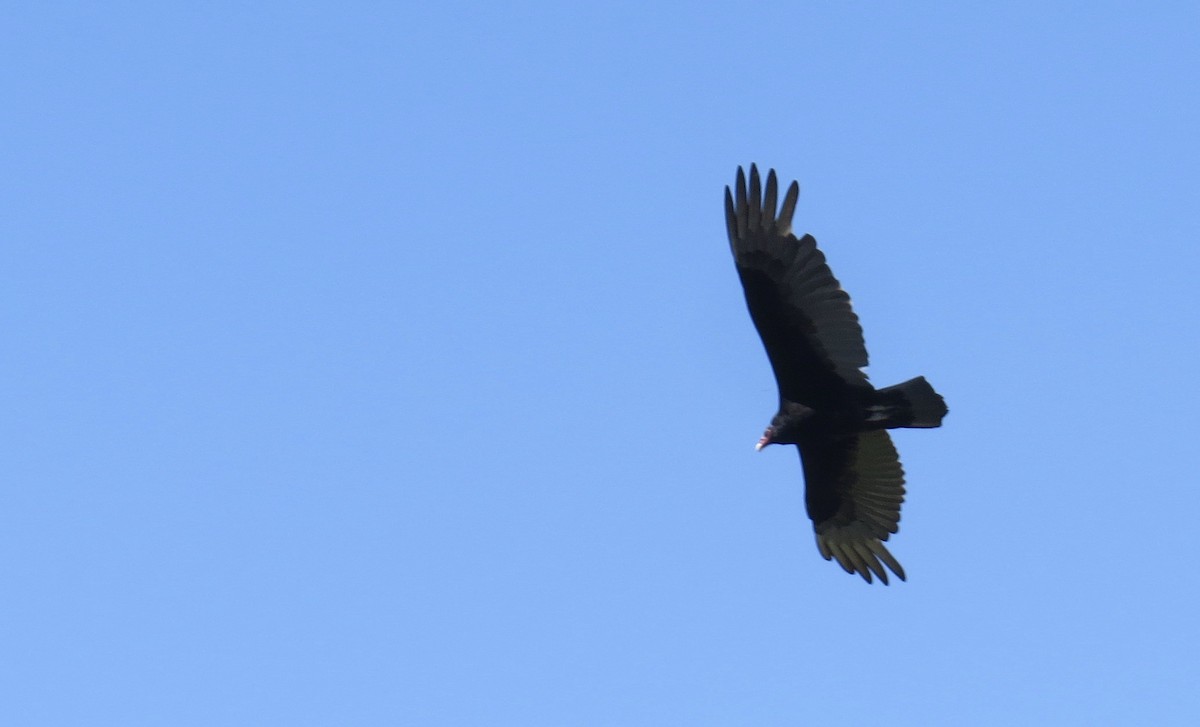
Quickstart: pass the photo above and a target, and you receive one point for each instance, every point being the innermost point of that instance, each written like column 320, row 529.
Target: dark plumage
column 854, row 484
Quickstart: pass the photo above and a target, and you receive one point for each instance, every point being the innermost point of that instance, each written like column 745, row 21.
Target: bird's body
column 854, row 484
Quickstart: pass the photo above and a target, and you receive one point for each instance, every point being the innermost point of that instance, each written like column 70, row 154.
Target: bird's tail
column 912, row 404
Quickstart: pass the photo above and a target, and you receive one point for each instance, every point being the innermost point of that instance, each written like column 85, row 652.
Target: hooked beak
column 762, row 443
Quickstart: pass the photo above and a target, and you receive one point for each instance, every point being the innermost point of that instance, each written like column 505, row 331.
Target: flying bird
column 854, row 483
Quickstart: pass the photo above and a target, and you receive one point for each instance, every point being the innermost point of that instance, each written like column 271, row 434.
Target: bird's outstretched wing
column 812, row 337
column 853, row 488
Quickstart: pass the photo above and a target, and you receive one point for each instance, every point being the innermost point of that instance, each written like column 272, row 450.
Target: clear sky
column 385, row 363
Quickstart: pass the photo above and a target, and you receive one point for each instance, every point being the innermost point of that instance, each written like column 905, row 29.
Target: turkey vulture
column 853, row 480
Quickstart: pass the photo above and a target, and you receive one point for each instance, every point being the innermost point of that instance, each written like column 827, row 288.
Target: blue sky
column 381, row 363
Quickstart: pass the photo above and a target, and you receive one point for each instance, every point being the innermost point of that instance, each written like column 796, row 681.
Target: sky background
column 385, row 363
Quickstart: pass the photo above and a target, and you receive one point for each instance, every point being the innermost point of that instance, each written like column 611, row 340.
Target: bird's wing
column 812, row 337
column 853, row 488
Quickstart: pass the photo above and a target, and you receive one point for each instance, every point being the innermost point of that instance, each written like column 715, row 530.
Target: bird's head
column 786, row 426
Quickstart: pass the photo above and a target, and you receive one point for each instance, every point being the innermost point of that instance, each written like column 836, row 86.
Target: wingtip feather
column 741, row 206
column 730, row 216
column 784, row 218
column 770, row 200
column 755, row 197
